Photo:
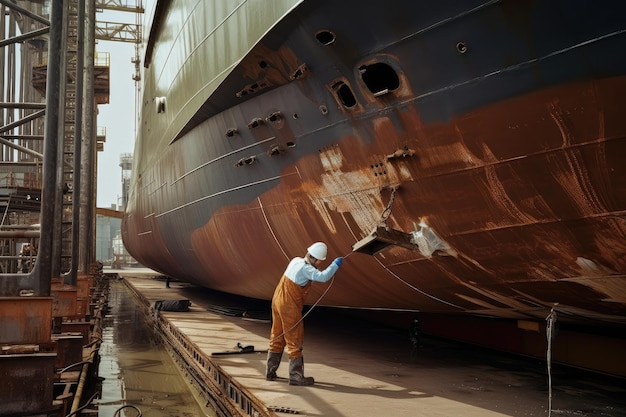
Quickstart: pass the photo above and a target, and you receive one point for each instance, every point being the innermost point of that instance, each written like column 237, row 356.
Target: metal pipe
column 83, row 379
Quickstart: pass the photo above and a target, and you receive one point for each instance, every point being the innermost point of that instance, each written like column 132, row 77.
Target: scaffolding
column 24, row 34
column 51, row 83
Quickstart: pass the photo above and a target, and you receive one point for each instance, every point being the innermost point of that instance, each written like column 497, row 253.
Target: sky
column 118, row 116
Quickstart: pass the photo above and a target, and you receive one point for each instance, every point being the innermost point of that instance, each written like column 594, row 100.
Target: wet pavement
column 137, row 370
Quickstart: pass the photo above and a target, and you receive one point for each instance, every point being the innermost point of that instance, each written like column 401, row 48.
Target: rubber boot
column 296, row 373
column 273, row 362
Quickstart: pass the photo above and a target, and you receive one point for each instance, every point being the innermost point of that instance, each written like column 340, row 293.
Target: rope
column 387, row 211
column 551, row 319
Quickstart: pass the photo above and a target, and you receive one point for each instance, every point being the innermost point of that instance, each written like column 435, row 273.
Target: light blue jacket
column 301, row 272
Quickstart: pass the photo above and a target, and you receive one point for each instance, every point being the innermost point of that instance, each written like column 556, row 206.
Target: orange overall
column 287, row 325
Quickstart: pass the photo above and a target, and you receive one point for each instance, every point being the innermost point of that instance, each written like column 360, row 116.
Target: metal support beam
column 15, row 146
column 22, row 137
column 38, row 281
column 17, row 165
column 24, row 36
column 120, row 32
column 57, row 230
column 19, row 234
column 43, row 266
column 88, row 156
column 25, row 12
column 23, row 120
column 23, row 105
column 120, row 5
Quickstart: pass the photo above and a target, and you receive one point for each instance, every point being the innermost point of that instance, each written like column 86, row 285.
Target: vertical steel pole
column 50, row 147
column 60, row 184
column 81, row 74
column 2, row 62
column 88, row 172
column 4, row 90
column 10, row 70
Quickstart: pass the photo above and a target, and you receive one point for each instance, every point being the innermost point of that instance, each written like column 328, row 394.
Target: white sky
column 117, row 117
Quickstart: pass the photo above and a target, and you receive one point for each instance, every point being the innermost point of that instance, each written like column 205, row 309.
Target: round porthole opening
column 325, row 37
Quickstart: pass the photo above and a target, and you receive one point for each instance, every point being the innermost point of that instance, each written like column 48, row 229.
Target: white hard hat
column 318, row 250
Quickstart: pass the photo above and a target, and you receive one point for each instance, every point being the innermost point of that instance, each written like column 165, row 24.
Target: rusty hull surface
column 513, row 167
column 528, row 229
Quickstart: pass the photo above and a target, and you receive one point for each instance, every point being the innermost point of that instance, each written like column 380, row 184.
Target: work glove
column 338, row 261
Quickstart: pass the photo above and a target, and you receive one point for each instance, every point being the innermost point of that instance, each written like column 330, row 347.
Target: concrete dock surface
column 371, row 370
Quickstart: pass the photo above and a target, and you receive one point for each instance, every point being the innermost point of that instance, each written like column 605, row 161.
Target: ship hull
column 466, row 157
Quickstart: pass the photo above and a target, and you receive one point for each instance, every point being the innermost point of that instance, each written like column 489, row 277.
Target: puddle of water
column 137, row 369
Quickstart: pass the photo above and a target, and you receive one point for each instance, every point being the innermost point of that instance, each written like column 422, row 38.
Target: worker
column 287, row 303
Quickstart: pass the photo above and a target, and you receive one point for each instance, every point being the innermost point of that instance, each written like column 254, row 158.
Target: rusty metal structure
column 46, row 294
column 466, row 155
column 51, row 82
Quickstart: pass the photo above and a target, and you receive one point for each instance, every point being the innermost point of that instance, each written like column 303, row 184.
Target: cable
column 72, row 366
column 96, row 340
column 117, row 412
column 551, row 319
column 384, row 215
column 81, row 408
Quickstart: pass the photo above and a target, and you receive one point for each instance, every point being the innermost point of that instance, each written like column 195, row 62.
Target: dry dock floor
column 368, row 370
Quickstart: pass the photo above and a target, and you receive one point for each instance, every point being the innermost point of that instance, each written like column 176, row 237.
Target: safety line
column 551, row 319
column 270, row 228
column 417, row 289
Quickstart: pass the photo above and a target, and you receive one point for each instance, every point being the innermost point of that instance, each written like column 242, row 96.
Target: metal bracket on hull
column 382, row 238
column 246, row 161
column 301, row 71
column 423, row 239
